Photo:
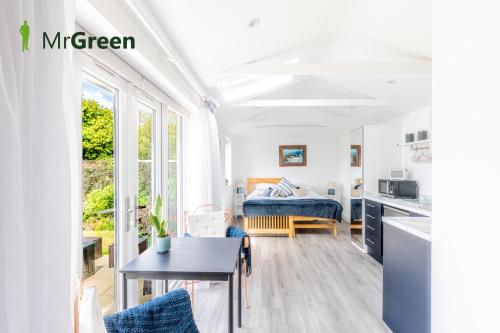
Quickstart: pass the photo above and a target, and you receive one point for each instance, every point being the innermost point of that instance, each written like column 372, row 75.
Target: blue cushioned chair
column 170, row 313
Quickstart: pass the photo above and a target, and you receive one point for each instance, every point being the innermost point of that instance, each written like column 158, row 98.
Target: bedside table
column 238, row 204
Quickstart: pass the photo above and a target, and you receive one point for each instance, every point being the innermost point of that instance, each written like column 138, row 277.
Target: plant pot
column 163, row 244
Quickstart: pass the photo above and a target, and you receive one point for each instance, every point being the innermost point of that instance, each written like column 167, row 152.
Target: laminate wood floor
column 312, row 283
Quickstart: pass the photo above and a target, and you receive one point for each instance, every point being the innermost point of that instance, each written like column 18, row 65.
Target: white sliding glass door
column 109, row 181
column 99, row 110
column 131, row 152
column 148, row 163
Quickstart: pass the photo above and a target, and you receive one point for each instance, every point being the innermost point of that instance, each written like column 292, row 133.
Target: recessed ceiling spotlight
column 253, row 23
column 391, row 81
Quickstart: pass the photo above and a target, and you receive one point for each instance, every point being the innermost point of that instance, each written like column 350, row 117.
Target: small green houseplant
column 163, row 241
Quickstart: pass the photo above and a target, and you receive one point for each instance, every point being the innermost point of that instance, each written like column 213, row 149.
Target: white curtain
column 38, row 165
column 204, row 173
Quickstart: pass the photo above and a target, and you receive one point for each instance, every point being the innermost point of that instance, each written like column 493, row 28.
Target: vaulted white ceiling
column 334, row 64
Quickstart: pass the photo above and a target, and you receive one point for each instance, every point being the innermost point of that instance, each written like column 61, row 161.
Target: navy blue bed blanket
column 325, row 208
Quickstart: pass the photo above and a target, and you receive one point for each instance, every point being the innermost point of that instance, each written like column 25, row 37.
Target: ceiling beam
column 414, row 67
column 311, row 102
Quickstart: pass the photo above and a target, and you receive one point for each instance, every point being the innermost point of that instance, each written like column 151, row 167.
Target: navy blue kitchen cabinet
column 406, row 286
column 373, row 229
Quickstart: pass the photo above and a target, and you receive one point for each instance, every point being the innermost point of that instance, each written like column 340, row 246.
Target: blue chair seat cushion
column 170, row 313
column 246, row 253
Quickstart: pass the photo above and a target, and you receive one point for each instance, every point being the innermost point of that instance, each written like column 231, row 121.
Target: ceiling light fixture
column 253, row 23
column 391, row 81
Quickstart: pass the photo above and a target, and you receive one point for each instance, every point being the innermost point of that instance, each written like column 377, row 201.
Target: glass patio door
column 109, row 184
column 131, row 152
column 99, row 110
column 111, row 176
column 148, row 165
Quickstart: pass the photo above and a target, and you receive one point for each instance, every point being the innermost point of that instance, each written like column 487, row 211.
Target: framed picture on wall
column 355, row 155
column 293, row 155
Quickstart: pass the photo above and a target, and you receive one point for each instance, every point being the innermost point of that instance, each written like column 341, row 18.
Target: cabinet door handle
column 372, row 217
column 370, row 227
column 368, row 239
column 372, row 206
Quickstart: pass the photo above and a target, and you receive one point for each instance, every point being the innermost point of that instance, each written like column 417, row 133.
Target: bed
column 269, row 216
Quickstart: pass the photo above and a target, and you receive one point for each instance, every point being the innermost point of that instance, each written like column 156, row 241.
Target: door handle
column 135, row 211
column 131, row 209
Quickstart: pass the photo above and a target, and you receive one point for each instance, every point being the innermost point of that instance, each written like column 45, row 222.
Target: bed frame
column 282, row 225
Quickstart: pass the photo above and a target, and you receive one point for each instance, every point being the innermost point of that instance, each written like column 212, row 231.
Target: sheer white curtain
column 204, row 173
column 38, row 166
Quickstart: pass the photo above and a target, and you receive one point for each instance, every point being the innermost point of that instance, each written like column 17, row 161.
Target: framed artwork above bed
column 293, row 155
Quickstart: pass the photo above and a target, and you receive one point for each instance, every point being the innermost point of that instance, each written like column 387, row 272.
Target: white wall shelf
column 415, row 143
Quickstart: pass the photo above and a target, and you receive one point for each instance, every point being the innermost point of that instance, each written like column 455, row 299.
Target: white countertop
column 414, row 207
column 418, row 226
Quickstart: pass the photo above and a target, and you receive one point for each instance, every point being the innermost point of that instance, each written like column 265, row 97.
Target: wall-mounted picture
column 295, row 155
column 355, row 155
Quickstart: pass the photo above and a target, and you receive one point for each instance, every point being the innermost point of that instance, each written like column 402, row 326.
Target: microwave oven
column 407, row 189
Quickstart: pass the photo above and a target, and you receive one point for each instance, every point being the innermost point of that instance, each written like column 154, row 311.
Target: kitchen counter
column 415, row 207
column 418, row 226
column 407, row 274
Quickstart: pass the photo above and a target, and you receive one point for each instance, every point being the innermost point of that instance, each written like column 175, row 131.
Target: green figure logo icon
column 25, row 33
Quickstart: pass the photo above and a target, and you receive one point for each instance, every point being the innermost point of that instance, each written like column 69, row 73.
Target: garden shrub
column 97, row 174
column 96, row 201
column 105, row 223
column 97, row 131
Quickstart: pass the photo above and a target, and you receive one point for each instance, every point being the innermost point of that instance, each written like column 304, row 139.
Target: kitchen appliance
column 394, row 212
column 397, row 174
column 398, row 188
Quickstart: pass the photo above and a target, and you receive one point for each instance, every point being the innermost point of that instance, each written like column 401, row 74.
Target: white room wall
column 408, row 123
column 412, row 123
column 257, row 155
column 380, row 153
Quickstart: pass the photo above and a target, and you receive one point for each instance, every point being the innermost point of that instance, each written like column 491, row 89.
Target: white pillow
column 286, row 186
column 299, row 192
column 264, row 186
column 277, row 192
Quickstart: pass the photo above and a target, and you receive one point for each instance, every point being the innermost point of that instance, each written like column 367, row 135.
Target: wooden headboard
column 251, row 182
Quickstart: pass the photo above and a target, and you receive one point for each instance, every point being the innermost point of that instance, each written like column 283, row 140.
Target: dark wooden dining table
column 193, row 258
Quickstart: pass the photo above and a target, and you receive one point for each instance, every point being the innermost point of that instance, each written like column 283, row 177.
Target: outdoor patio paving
column 104, row 282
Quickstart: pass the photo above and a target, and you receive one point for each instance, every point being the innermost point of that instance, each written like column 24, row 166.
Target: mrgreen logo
column 79, row 40
column 25, row 34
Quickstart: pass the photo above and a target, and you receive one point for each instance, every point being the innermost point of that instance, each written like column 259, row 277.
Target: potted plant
column 163, row 241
